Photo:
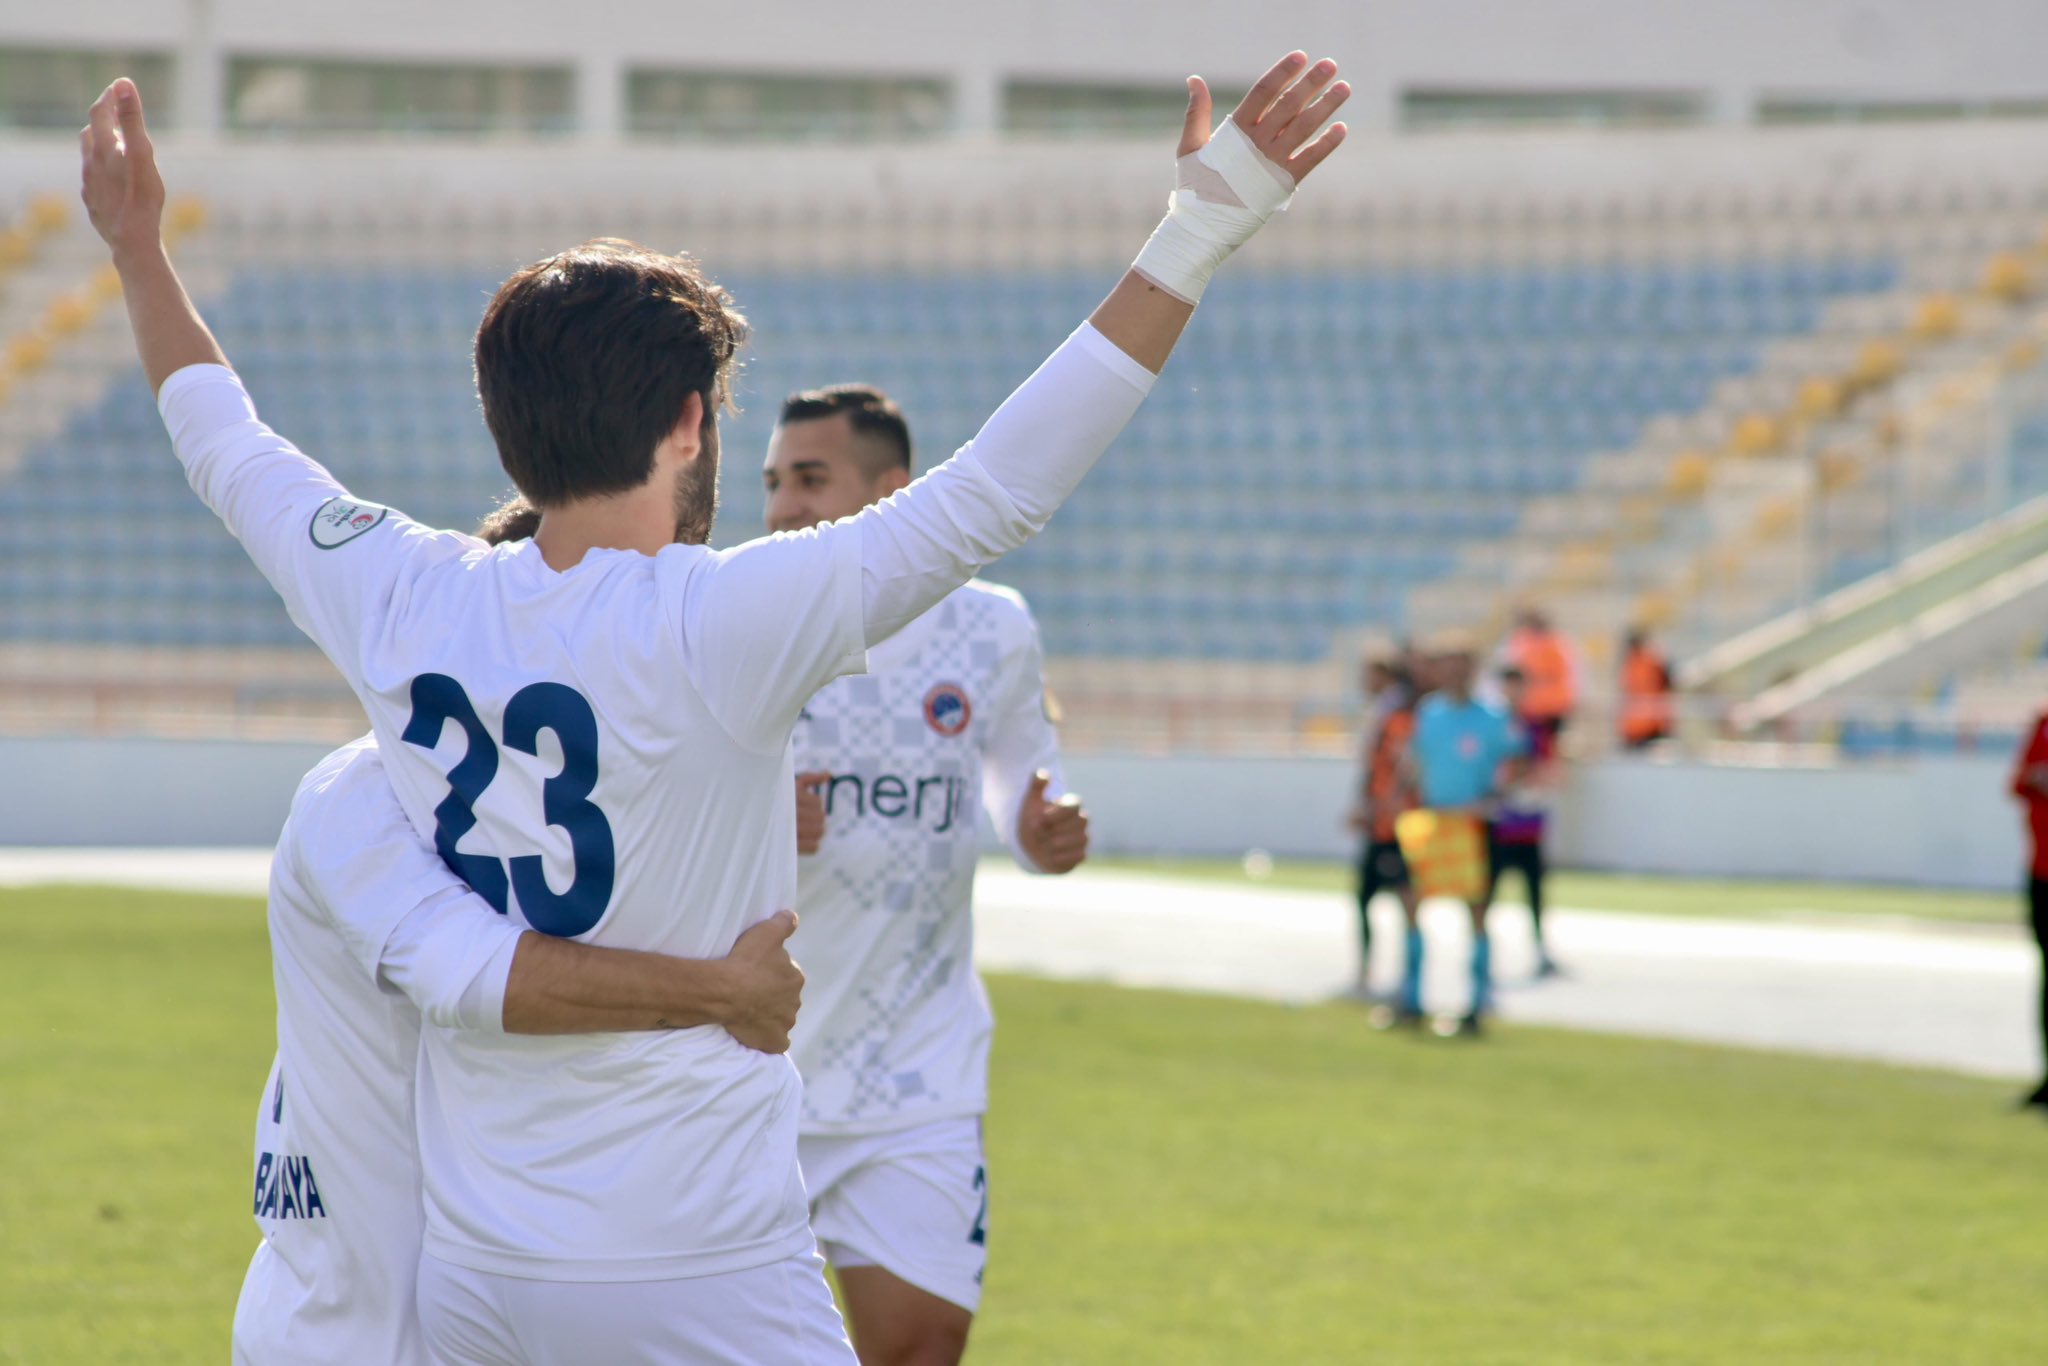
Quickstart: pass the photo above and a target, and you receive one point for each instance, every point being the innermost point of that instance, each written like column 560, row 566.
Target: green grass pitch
column 1175, row 1178
column 1646, row 895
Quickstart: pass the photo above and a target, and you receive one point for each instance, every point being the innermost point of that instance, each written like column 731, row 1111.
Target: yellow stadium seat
column 1580, row 563
column 2007, row 277
column 2023, row 354
column 185, row 215
column 48, row 212
column 15, row 246
column 1838, row 470
column 1639, row 515
column 1936, row 316
column 1821, row 397
column 68, row 313
column 1656, row 610
column 1690, row 474
column 1756, row 434
column 30, row 351
column 1777, row 518
column 1877, row 362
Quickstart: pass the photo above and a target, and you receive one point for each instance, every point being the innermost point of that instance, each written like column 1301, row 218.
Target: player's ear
column 892, row 479
column 687, row 437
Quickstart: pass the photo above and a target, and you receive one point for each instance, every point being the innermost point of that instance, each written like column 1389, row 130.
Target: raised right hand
column 768, row 986
column 122, row 190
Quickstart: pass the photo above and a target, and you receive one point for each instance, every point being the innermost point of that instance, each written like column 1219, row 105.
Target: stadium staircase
column 1882, row 428
column 1944, row 650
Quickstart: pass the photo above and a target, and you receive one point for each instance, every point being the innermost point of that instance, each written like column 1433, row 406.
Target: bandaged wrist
column 1224, row 193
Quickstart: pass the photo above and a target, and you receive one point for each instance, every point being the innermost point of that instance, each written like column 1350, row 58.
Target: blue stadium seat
column 1247, row 513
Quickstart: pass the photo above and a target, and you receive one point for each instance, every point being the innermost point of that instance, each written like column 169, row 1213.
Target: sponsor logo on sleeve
column 946, row 709
column 340, row 520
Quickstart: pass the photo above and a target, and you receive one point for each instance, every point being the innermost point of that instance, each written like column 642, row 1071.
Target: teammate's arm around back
column 413, row 925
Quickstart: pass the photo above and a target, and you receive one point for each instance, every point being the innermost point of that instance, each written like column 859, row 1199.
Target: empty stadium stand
column 1401, row 418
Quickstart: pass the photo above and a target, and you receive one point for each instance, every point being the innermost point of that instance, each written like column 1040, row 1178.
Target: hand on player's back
column 810, row 811
column 1279, row 114
column 1054, row 835
column 122, row 190
column 768, row 986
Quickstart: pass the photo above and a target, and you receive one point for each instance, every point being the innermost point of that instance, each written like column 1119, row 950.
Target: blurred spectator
column 1514, row 839
column 1545, row 659
column 2030, row 785
column 1385, row 791
column 1645, row 691
column 1461, row 745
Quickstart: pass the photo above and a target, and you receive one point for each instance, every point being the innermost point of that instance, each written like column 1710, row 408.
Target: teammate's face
column 816, row 473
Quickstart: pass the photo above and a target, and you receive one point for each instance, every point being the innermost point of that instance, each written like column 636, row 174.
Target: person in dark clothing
column 2030, row 785
column 1514, row 837
column 1384, row 792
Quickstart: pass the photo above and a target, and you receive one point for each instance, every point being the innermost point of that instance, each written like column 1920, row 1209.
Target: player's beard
column 697, row 491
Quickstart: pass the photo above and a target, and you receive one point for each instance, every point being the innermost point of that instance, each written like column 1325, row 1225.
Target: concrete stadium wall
column 1735, row 52
column 1942, row 822
column 1932, row 821
column 64, row 791
column 1381, row 170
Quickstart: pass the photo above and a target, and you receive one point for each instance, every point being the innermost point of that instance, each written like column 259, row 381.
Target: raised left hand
column 121, row 187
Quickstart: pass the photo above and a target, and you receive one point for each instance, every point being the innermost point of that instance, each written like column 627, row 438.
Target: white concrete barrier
column 1943, row 821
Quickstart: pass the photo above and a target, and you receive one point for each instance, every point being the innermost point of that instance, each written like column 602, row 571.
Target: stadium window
column 1801, row 111
column 728, row 104
column 1083, row 109
column 1428, row 110
column 44, row 88
column 288, row 95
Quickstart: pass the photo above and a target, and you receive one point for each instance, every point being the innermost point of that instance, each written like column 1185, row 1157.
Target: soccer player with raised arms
column 592, row 727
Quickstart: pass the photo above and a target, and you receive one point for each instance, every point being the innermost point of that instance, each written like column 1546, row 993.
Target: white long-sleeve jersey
column 949, row 721
column 603, row 753
column 367, row 926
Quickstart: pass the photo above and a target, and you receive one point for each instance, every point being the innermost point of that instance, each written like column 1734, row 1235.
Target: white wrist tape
column 1223, row 194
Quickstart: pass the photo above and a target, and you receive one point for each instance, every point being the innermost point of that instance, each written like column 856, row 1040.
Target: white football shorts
column 913, row 1202
column 776, row 1315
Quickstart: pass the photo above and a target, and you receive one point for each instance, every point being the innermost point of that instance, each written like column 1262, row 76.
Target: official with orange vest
column 1645, row 692
column 1550, row 681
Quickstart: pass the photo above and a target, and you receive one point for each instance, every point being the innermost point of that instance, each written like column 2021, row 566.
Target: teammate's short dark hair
column 513, row 520
column 585, row 360
column 877, row 421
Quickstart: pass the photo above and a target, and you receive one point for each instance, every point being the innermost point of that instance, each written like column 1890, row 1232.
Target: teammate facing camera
column 894, row 1039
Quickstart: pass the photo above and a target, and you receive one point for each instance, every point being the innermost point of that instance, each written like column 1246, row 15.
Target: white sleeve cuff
column 205, row 384
column 1114, row 358
column 451, row 956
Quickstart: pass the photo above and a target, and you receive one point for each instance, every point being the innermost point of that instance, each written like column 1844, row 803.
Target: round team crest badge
column 946, row 709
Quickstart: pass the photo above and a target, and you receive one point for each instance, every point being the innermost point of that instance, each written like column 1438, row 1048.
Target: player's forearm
column 1143, row 320
column 558, row 986
column 169, row 333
